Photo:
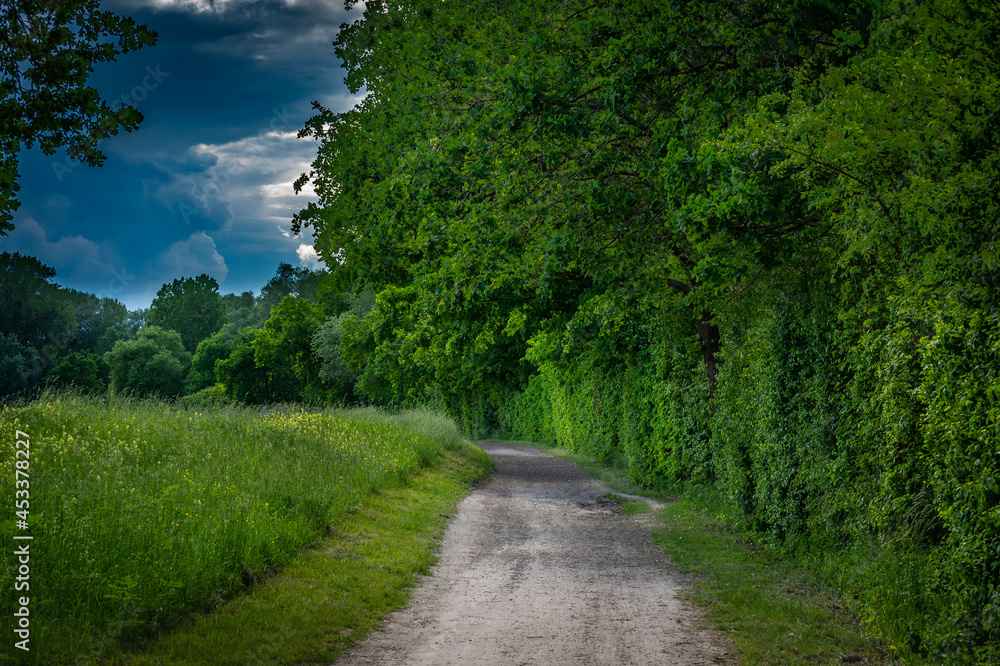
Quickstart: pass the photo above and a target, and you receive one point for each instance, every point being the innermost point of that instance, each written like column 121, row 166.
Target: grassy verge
column 142, row 513
column 334, row 593
column 774, row 610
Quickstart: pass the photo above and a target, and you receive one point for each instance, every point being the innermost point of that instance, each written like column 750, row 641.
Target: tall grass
column 141, row 512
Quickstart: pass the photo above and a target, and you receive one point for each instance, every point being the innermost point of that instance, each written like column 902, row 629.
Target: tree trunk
column 711, row 344
column 708, row 334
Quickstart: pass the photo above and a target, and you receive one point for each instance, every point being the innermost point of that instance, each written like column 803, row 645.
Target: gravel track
column 537, row 568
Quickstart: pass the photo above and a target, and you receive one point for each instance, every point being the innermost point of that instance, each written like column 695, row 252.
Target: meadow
column 142, row 513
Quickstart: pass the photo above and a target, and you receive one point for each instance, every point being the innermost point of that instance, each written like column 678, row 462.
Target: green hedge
column 648, row 413
column 854, row 416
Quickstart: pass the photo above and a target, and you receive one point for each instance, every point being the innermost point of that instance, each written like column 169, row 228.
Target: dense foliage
column 191, row 339
column 153, row 364
column 736, row 243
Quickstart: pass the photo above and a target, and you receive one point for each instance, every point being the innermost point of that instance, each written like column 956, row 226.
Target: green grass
column 893, row 589
column 774, row 610
column 337, row 591
column 630, row 508
column 627, row 506
column 142, row 513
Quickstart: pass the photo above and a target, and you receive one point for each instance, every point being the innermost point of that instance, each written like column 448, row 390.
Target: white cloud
column 308, row 256
column 193, row 256
column 243, row 6
column 246, row 186
column 276, row 190
column 249, row 189
column 198, row 6
column 197, row 200
column 343, row 101
column 262, row 168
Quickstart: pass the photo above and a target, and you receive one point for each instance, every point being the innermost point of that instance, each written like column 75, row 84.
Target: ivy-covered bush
column 850, row 416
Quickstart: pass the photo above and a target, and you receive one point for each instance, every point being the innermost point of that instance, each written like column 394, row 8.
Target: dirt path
column 538, row 568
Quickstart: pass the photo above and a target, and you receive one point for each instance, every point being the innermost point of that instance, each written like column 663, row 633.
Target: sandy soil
column 538, row 568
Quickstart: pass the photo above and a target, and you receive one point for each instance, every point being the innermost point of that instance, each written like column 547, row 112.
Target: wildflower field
column 141, row 513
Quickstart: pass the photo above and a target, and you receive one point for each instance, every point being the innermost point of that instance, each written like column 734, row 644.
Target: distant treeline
column 748, row 244
column 192, row 344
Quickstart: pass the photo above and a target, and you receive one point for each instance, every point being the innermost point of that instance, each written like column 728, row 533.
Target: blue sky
column 205, row 184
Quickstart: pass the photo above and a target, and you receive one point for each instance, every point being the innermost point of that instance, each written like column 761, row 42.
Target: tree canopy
column 289, row 280
column 94, row 317
column 37, row 312
column 154, row 364
column 530, row 169
column 82, row 371
column 191, row 306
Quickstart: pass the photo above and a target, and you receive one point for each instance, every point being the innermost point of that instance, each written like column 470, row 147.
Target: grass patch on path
column 335, row 593
column 775, row 611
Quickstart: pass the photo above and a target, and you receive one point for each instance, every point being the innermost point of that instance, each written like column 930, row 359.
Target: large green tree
column 154, row 364
column 191, row 306
column 289, row 280
column 242, row 311
column 21, row 366
column 252, row 382
column 328, row 345
column 209, row 351
column 82, row 371
column 285, row 342
column 48, row 51
column 94, row 316
column 538, row 193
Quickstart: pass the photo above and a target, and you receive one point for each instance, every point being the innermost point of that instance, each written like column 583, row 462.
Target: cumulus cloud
column 196, row 199
column 254, row 176
column 276, row 190
column 293, row 31
column 193, row 256
column 308, row 256
column 294, row 37
column 341, row 101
